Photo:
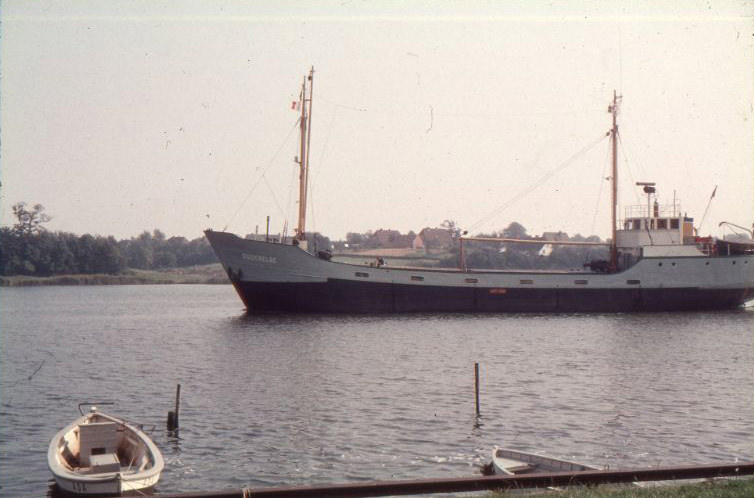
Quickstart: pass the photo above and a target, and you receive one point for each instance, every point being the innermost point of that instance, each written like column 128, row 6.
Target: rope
column 538, row 183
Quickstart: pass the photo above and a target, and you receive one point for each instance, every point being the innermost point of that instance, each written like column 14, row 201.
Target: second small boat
column 512, row 462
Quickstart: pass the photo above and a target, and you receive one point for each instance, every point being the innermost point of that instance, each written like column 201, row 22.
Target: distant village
column 443, row 239
column 428, row 239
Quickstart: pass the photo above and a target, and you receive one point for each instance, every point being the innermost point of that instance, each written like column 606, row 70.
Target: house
column 390, row 239
column 552, row 237
column 433, row 238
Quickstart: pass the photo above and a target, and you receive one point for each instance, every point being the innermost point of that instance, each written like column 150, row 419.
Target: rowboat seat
column 515, row 466
column 107, row 462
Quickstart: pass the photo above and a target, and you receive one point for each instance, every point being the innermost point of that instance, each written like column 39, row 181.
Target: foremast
column 303, row 159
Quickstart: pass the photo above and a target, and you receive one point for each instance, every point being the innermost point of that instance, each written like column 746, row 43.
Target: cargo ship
column 656, row 262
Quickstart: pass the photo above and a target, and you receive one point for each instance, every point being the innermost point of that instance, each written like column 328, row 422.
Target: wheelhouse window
column 632, row 224
column 362, row 274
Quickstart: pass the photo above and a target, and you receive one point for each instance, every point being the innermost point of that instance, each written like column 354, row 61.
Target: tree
column 29, row 221
column 515, row 231
column 452, row 227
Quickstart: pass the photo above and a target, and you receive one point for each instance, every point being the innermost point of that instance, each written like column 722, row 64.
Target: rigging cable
column 262, row 177
column 538, row 183
column 628, row 168
column 599, row 193
column 272, row 192
column 319, row 169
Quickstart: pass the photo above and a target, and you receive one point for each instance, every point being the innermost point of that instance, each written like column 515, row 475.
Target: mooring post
column 476, row 386
column 177, row 404
column 173, row 415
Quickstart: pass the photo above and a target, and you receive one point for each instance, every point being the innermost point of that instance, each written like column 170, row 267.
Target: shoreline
column 205, row 274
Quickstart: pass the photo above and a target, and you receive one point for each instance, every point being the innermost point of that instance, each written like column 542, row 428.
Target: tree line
column 27, row 248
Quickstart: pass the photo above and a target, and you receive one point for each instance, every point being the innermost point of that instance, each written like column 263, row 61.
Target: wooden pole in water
column 476, row 386
column 173, row 415
column 177, row 405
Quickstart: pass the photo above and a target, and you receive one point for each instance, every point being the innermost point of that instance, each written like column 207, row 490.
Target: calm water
column 314, row 399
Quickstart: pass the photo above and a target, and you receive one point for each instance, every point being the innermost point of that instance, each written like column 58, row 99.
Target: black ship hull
column 343, row 296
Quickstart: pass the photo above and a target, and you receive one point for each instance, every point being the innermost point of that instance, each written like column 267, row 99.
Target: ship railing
column 671, row 210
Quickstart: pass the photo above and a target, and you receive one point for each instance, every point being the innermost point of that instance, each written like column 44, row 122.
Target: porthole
column 362, row 274
column 471, row 280
column 659, row 264
column 416, row 278
column 526, row 282
column 673, row 264
column 633, row 282
column 707, row 263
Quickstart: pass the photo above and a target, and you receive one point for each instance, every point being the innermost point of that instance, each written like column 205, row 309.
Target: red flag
column 293, row 105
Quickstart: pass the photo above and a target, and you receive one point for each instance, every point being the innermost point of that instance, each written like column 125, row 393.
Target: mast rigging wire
column 318, row 170
column 261, row 177
column 538, row 183
column 628, row 168
column 599, row 193
column 272, row 192
column 709, row 202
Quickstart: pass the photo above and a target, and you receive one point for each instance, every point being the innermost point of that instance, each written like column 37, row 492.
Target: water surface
column 283, row 400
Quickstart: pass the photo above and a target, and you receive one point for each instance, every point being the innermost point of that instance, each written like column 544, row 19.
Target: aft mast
column 613, row 109
column 303, row 160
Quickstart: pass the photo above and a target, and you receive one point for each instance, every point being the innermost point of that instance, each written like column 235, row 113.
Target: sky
column 120, row 117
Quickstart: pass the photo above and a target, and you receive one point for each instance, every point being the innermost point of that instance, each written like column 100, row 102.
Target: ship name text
column 258, row 258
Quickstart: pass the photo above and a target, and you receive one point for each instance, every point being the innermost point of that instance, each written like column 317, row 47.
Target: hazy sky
column 125, row 116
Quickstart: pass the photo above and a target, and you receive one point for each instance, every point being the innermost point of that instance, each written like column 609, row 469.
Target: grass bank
column 204, row 274
column 739, row 488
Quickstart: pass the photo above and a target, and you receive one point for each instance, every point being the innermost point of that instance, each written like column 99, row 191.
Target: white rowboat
column 98, row 454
